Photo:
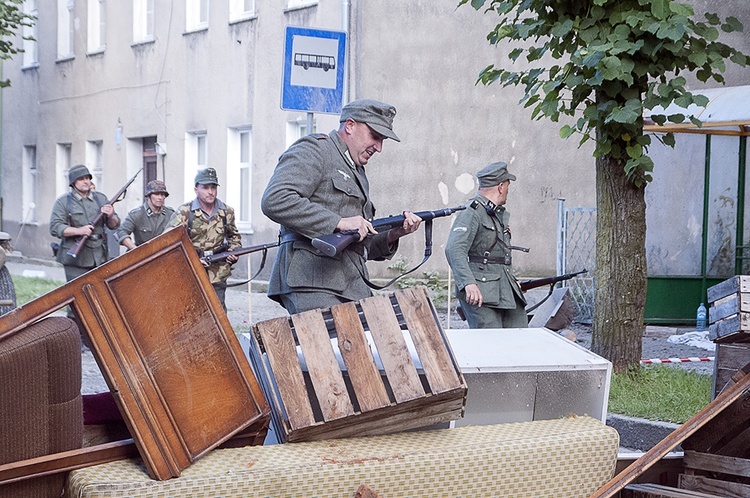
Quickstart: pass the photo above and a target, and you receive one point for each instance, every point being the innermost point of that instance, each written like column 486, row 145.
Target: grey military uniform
column 477, row 256
column 144, row 224
column 83, row 211
column 314, row 185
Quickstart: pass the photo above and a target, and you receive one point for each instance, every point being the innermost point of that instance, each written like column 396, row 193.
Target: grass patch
column 660, row 392
column 30, row 288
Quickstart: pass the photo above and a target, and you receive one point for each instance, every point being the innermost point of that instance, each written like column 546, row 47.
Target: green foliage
column 659, row 392
column 30, row 288
column 12, row 19
column 605, row 61
column 432, row 280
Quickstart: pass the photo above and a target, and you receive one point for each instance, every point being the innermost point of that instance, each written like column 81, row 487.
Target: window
column 30, row 36
column 62, row 165
column 296, row 130
column 196, row 15
column 143, row 21
column 241, row 9
column 300, row 3
column 96, row 38
column 196, row 157
column 28, row 198
column 94, row 162
column 65, row 24
column 239, row 175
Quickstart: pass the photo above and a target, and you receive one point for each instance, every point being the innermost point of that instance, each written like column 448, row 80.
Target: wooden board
column 733, row 285
column 164, row 346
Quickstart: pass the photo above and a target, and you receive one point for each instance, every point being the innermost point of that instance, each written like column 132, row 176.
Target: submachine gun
column 76, row 247
column 335, row 243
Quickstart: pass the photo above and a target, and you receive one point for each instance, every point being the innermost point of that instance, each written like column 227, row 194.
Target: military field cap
column 494, row 174
column 76, row 172
column 376, row 115
column 156, row 187
column 207, row 176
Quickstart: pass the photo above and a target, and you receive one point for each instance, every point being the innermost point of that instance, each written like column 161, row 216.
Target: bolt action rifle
column 210, row 259
column 335, row 243
column 76, row 248
column 538, row 282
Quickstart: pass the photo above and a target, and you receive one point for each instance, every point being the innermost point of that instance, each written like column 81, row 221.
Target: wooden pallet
column 729, row 312
column 372, row 386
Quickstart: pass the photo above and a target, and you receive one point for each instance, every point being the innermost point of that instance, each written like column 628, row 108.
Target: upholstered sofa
column 570, row 457
column 40, row 400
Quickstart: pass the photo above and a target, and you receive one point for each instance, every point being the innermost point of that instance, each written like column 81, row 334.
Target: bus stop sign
column 314, row 61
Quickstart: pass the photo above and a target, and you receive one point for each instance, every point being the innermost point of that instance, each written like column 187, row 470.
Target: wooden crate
column 729, row 312
column 730, row 357
column 373, row 385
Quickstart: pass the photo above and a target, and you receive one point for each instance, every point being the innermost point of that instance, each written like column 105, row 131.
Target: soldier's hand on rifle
column 410, row 225
column 355, row 223
column 232, row 258
column 473, row 295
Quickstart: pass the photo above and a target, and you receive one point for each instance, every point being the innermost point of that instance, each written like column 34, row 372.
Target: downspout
column 706, row 197
column 345, row 8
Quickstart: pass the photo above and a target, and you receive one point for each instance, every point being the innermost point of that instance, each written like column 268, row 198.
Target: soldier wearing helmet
column 72, row 216
column 212, row 228
column 147, row 220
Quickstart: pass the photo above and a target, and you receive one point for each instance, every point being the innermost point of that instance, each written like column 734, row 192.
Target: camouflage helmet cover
column 76, row 172
column 156, row 187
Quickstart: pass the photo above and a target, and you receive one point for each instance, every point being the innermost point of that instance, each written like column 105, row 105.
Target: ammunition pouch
column 55, row 248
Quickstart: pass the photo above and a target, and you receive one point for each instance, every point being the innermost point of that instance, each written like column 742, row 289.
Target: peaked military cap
column 206, row 176
column 377, row 115
column 76, row 172
column 156, row 187
column 494, row 174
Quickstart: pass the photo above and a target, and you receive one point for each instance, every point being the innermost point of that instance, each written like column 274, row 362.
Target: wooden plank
column 394, row 354
column 282, row 356
column 648, row 490
column 360, row 364
column 324, row 370
column 658, row 451
column 166, row 350
column 723, row 489
column 735, row 328
column 732, row 285
column 717, row 463
column 66, row 461
column 429, row 340
column 722, row 428
column 724, row 309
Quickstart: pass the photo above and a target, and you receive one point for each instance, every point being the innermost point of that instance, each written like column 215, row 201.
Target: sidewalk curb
column 638, row 433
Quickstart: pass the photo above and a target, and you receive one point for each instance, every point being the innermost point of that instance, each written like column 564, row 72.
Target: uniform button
column 484, row 279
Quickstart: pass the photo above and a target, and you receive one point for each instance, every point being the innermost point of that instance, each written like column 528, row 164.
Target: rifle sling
column 260, row 269
column 427, row 254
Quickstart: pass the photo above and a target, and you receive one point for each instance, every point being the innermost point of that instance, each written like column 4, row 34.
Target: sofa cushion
column 40, row 399
column 569, row 457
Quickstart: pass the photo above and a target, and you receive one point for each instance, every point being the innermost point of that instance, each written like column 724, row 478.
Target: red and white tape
column 652, row 361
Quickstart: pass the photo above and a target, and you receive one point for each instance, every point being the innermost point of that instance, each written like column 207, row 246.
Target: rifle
column 335, row 243
column 76, row 248
column 210, row 259
column 538, row 282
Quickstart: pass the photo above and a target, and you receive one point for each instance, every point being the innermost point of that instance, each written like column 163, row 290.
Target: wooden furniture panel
column 165, row 347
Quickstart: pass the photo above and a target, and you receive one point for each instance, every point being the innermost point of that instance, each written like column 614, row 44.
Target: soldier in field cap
column 319, row 187
column 147, row 220
column 212, row 229
column 479, row 254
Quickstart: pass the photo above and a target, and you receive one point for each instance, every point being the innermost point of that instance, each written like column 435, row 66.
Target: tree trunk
column 620, row 280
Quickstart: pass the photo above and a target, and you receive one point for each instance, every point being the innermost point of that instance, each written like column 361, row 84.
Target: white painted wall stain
column 465, row 183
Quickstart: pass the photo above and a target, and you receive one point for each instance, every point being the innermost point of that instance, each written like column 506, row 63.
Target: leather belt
column 492, row 261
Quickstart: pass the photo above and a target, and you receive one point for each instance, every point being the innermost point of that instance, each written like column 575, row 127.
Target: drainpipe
column 345, row 8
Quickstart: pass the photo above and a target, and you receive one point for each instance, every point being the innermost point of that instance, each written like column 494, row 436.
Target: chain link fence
column 576, row 251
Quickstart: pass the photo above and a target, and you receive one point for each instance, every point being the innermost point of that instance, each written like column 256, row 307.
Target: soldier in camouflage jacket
column 211, row 226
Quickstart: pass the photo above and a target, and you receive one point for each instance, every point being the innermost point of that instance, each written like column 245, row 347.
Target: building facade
column 171, row 86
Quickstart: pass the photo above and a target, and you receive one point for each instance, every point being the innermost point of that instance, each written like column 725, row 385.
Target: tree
column 12, row 18
column 601, row 63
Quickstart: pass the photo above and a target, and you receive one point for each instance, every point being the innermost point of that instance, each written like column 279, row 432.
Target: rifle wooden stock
column 76, row 248
column 335, row 243
column 538, row 282
column 221, row 256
